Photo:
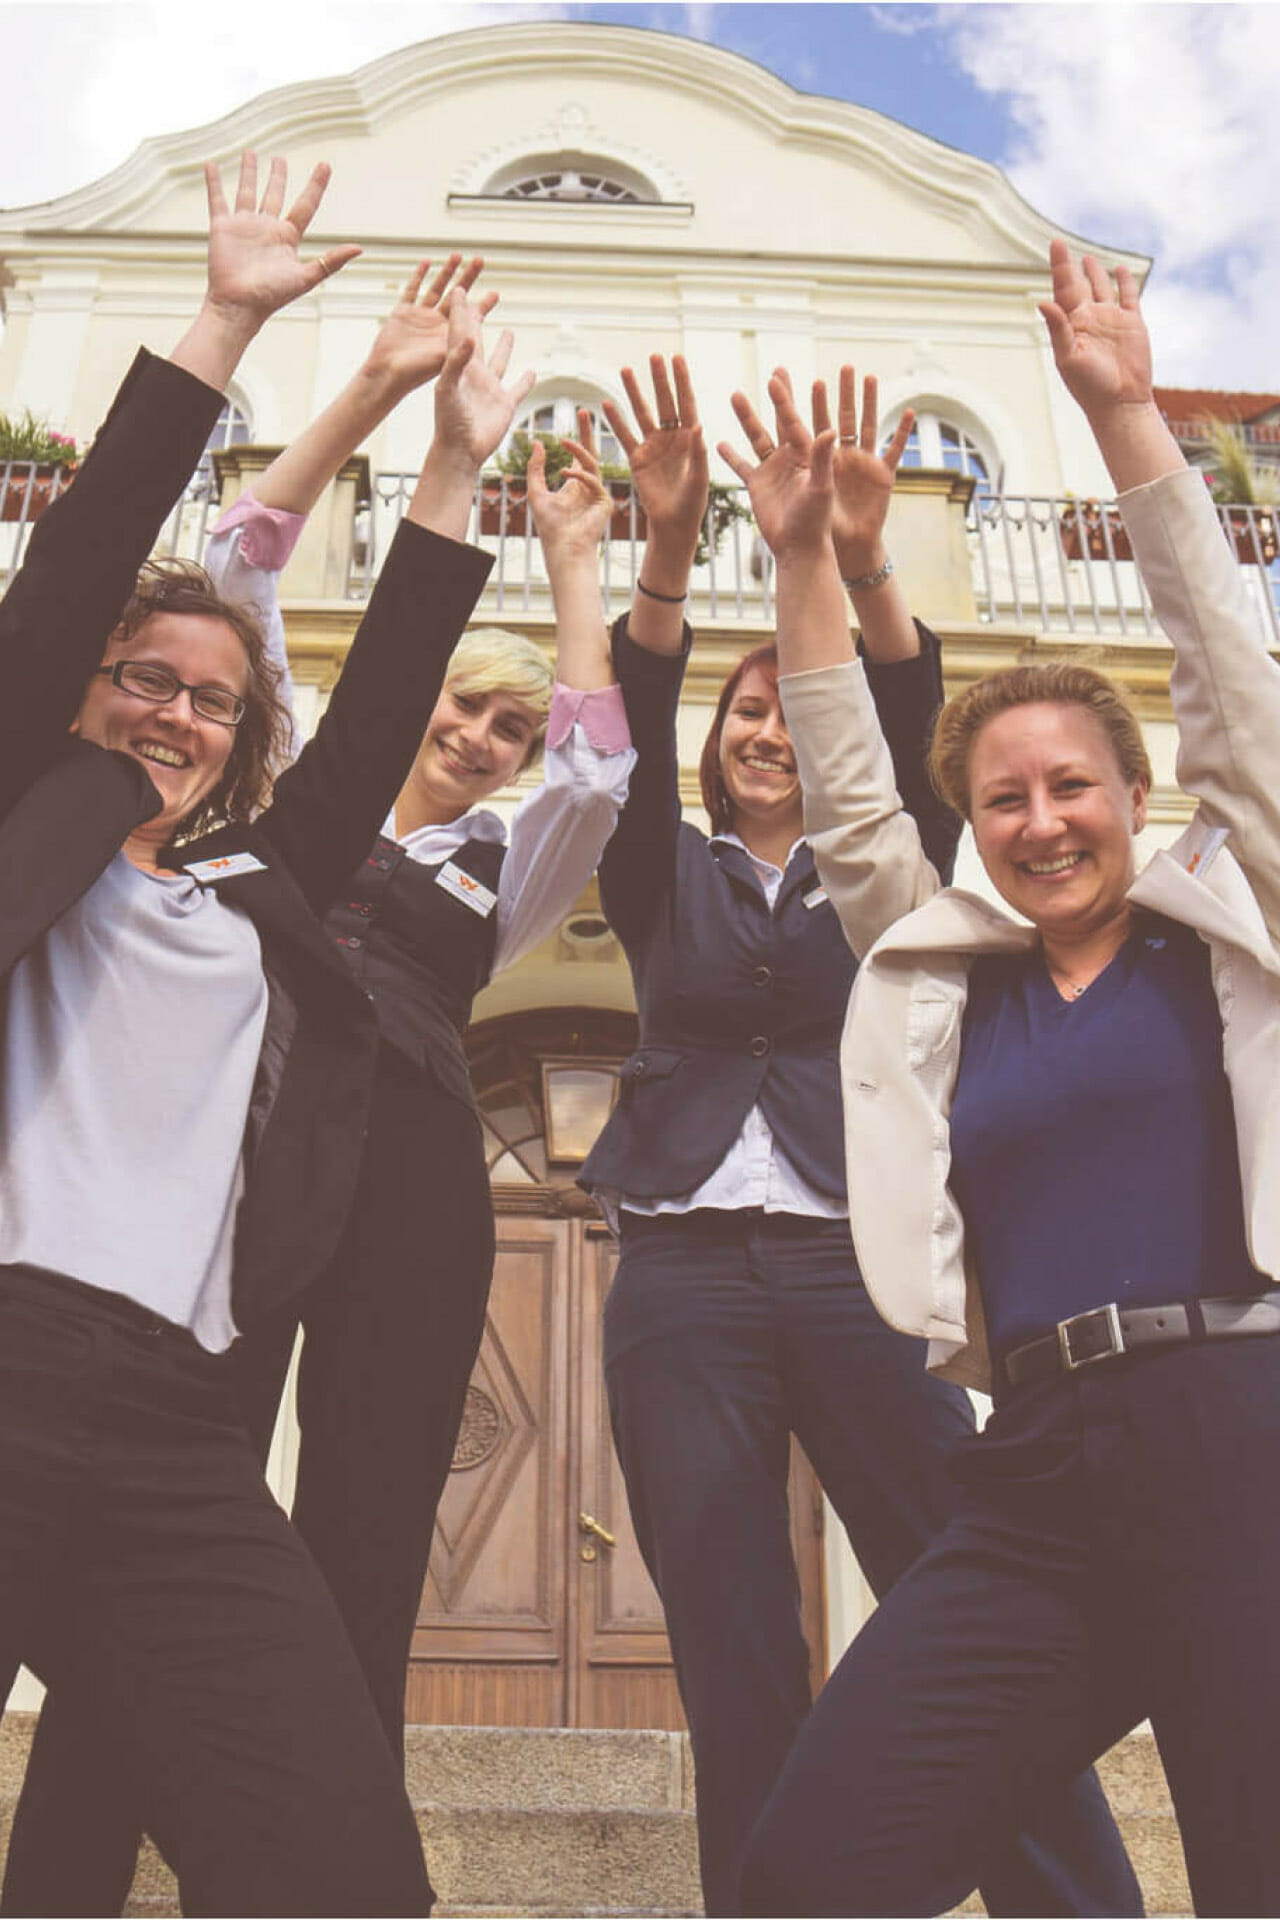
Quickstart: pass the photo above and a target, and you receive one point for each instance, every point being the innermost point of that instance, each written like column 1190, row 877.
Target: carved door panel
column 622, row 1676
column 538, row 1610
column 490, row 1645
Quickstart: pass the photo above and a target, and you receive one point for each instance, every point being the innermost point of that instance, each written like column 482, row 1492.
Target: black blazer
column 67, row 806
column 738, row 1005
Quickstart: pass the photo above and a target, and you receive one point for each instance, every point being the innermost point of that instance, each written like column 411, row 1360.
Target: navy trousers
column 392, row 1331
column 1115, row 1555
column 725, row 1333
column 132, row 1504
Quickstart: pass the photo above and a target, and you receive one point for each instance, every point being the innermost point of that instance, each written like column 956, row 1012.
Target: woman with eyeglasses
column 737, row 1315
column 187, row 1073
column 1061, row 1135
column 445, row 897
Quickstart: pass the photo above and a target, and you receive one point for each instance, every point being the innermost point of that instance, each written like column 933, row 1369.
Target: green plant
column 724, row 504
column 32, row 439
column 1238, row 480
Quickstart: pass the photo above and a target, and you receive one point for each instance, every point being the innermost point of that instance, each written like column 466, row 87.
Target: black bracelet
column 667, row 599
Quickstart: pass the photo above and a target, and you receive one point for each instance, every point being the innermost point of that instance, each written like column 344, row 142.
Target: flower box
column 1084, row 530
column 27, row 489
column 517, row 510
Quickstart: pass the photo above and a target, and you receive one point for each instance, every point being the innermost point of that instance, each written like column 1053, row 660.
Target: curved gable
column 741, row 162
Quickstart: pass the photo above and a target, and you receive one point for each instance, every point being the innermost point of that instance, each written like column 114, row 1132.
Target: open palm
column 1099, row 338
column 474, row 406
column 254, row 264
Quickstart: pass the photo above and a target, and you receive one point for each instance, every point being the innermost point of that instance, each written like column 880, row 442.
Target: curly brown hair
column 715, row 795
column 1055, row 683
column 264, row 736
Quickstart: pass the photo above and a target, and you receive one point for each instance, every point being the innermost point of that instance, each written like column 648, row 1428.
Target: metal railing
column 1065, row 566
column 26, row 490
column 1195, row 433
column 733, row 582
column 1058, row 565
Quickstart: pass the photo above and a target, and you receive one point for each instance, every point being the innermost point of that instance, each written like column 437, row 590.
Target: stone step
column 560, row 1767
column 544, row 1822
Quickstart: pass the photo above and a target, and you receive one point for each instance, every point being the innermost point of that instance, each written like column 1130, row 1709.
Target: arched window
column 555, row 410
column 232, row 428
column 956, row 445
column 580, row 179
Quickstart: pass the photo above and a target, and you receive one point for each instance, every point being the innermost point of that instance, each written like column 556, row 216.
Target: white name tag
column 224, row 867
column 1207, row 843
column 465, row 887
column 816, row 898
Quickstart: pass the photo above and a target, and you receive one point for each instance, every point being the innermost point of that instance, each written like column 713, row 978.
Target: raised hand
column 1099, row 338
column 413, row 341
column 791, row 486
column 474, row 406
column 862, row 478
column 254, row 264
column 668, row 460
column 572, row 520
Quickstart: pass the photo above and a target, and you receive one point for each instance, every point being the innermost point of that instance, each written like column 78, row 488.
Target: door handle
column 590, row 1526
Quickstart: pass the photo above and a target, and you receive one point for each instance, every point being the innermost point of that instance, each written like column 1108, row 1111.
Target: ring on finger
column 848, row 439
column 668, row 426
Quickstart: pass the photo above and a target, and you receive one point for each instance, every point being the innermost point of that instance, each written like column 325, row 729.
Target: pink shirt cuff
column 602, row 713
column 270, row 533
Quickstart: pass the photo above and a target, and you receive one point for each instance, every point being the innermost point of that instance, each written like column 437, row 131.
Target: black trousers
column 724, row 1334
column 132, row 1504
column 391, row 1334
column 1115, row 1554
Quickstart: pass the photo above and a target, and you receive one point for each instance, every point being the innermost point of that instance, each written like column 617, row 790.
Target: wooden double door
column 537, row 1609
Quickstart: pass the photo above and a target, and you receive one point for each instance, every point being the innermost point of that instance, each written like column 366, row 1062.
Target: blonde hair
column 492, row 660
column 1056, row 683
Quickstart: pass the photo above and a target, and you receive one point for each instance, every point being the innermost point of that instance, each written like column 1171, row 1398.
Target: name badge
column 224, row 867
column 1208, row 843
column 816, row 898
column 465, row 887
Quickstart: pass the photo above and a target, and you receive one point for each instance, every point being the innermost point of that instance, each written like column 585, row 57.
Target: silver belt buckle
column 1115, row 1334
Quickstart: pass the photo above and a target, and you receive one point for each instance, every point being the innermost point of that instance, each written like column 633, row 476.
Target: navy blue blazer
column 67, row 806
column 738, row 1005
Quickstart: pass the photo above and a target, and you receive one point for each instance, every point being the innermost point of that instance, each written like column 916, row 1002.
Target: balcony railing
column 1065, row 566
column 26, row 490
column 1195, row 433
column 1055, row 565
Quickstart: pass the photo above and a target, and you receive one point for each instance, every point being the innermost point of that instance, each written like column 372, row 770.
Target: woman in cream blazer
column 1116, row 1547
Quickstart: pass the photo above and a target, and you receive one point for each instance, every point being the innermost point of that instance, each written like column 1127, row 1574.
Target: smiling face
column 1054, row 817
column 475, row 744
column 757, row 763
column 185, row 756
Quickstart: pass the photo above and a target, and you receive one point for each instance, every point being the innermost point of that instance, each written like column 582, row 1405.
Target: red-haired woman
column 738, row 1316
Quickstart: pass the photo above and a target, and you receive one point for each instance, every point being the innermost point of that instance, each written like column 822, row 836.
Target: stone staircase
column 554, row 1822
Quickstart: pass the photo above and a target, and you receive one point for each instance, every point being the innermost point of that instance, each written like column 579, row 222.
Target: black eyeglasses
column 152, row 682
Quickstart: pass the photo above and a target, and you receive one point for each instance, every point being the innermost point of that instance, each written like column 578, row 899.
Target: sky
column 1140, row 125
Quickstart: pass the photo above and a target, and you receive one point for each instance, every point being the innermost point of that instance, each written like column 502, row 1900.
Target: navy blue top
column 1093, row 1140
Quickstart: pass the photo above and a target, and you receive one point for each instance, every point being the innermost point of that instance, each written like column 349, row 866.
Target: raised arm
column 559, row 831
column 668, row 464
column 867, row 849
column 253, row 540
column 1225, row 687
column 409, row 350
column 84, row 554
column 329, row 805
column 668, row 461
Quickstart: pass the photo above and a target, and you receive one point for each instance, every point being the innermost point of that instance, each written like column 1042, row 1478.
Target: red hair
column 715, row 796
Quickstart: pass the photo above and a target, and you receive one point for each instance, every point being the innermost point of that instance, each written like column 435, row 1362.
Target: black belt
column 1105, row 1332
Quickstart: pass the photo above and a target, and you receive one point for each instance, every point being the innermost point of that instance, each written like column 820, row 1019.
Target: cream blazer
column 901, row 1048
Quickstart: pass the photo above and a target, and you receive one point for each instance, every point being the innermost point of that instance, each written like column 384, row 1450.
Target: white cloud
column 1151, row 127
column 88, row 81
